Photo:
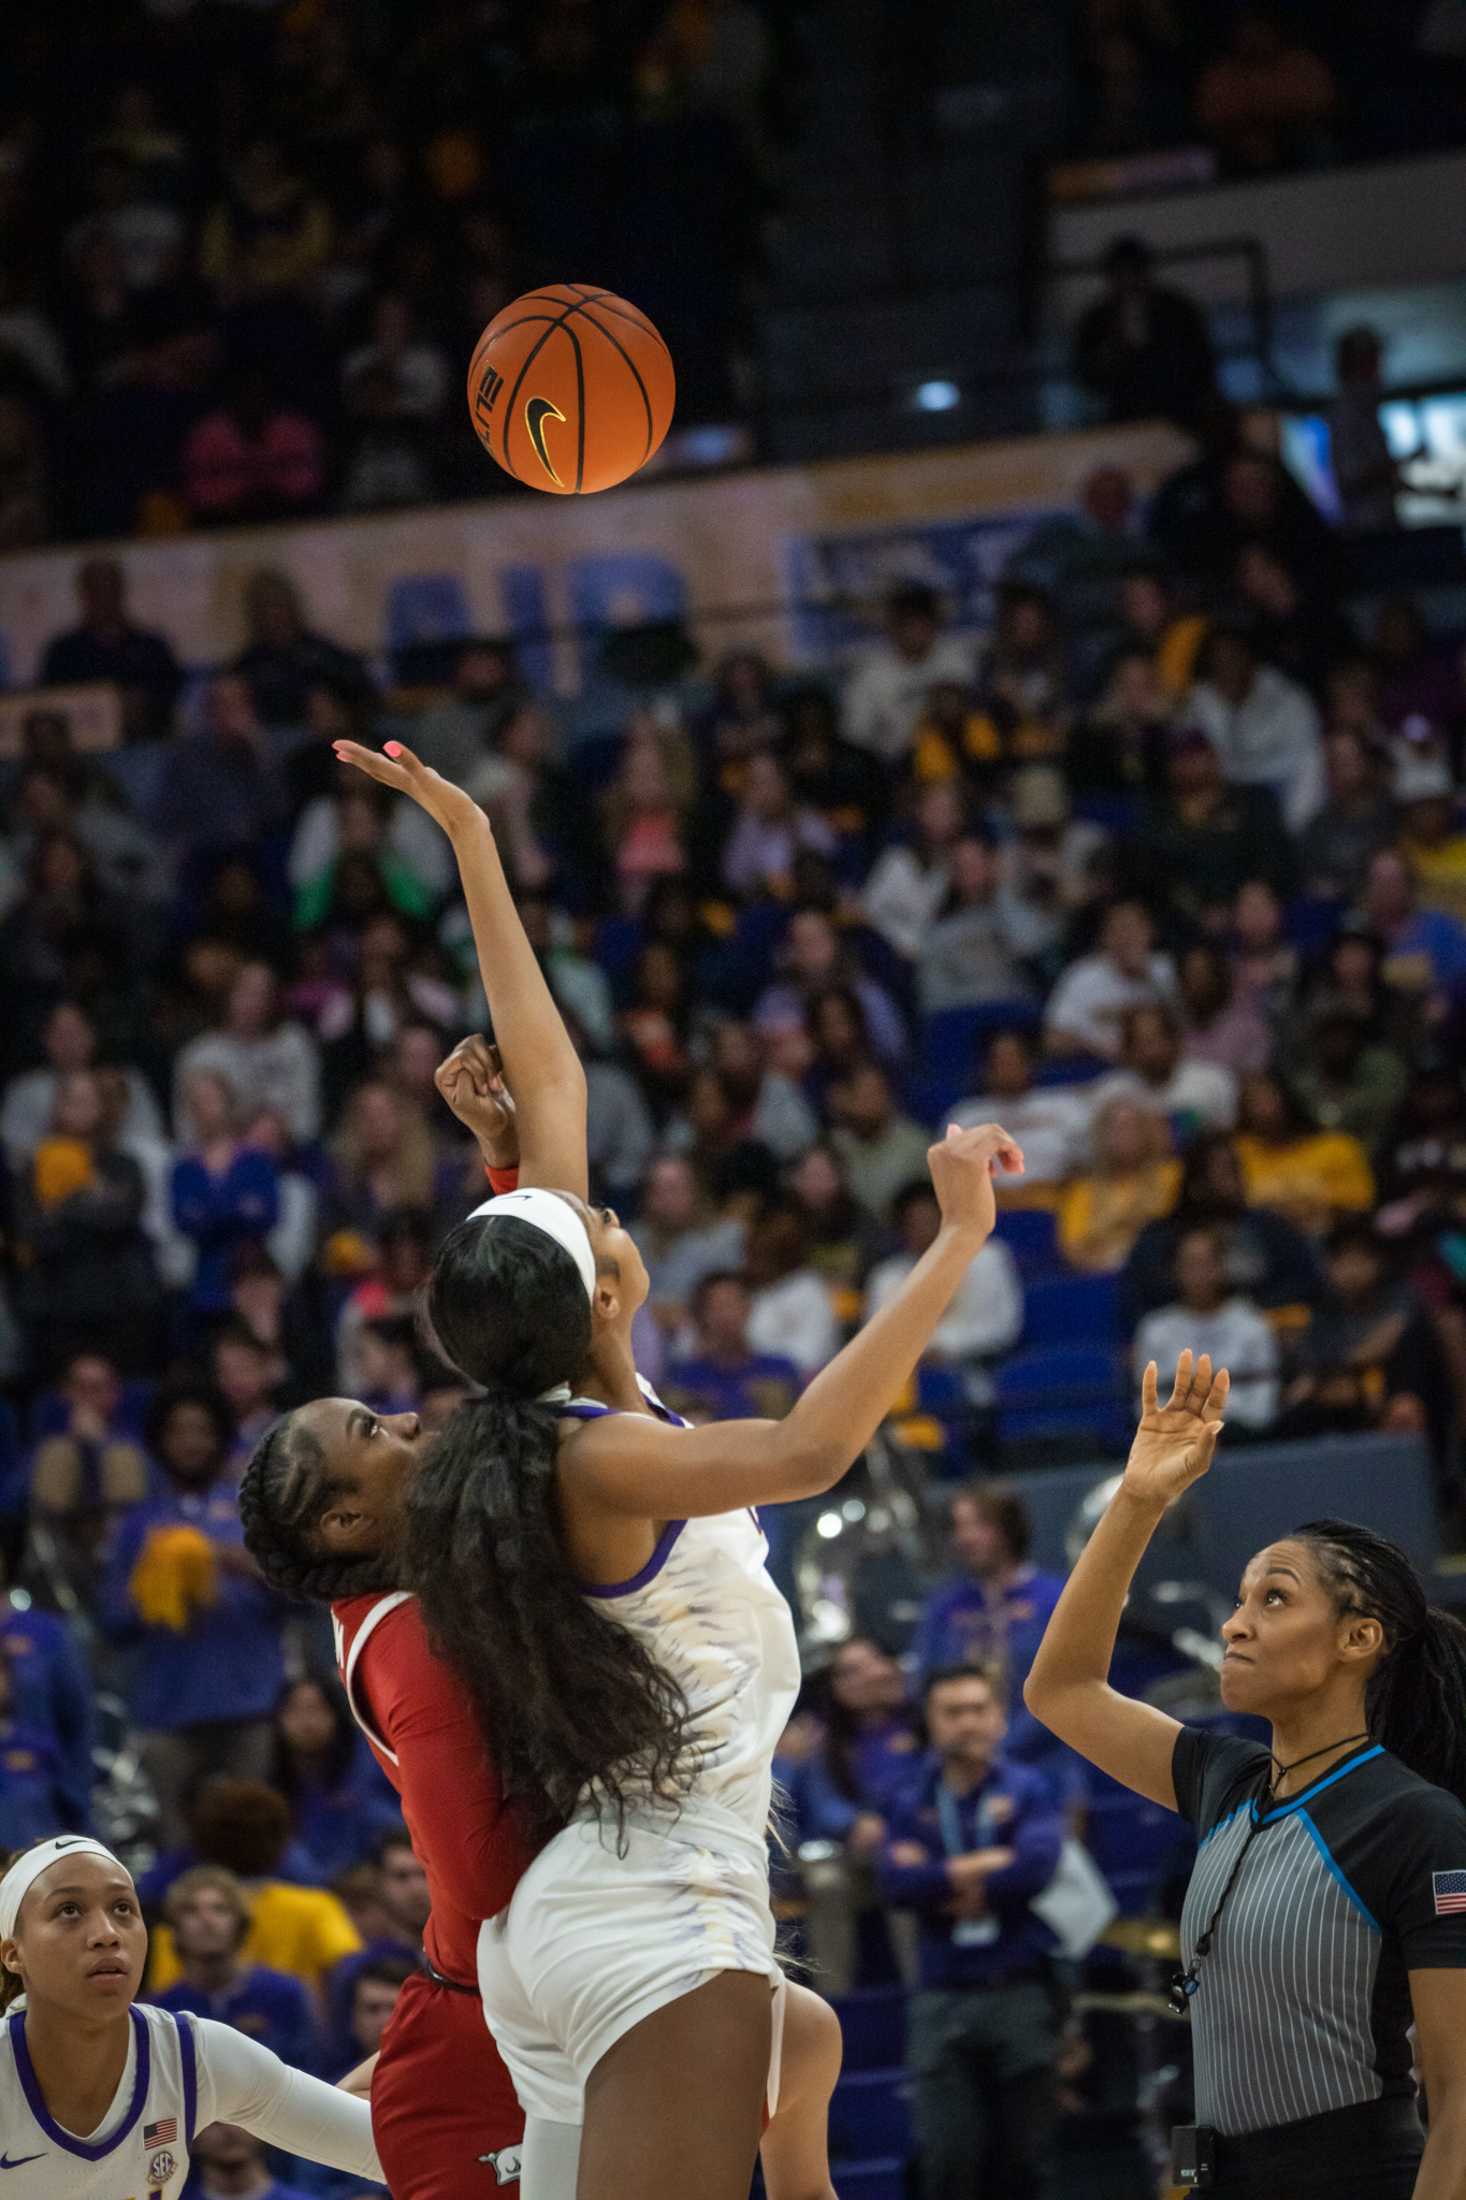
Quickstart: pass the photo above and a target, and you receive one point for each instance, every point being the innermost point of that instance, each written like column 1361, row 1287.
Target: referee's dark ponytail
column 1415, row 1701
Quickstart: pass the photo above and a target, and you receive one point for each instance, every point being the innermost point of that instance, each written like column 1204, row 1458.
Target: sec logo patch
column 161, row 2168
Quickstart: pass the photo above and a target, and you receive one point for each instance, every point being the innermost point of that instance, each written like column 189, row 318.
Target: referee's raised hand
column 1175, row 1442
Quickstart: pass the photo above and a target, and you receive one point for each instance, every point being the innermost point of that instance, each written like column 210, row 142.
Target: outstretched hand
column 1176, row 1442
column 395, row 766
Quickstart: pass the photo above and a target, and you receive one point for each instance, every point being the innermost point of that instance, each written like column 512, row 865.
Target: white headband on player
column 27, row 1869
column 546, row 1211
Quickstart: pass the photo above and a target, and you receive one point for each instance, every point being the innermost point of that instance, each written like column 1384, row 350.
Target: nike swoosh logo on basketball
column 6, row 2163
column 537, row 410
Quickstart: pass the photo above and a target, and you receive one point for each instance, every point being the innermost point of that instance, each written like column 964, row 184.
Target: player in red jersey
column 433, row 2083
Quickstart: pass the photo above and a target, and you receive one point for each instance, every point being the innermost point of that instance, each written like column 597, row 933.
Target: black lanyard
column 1184, row 1983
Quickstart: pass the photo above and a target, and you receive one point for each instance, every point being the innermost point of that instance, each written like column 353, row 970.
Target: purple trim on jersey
column 590, row 1409
column 188, row 2057
column 661, row 1552
column 34, row 2100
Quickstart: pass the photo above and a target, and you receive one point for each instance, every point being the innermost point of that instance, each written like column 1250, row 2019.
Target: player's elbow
column 806, row 1466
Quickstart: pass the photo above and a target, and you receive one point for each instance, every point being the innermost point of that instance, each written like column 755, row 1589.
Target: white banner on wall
column 768, row 558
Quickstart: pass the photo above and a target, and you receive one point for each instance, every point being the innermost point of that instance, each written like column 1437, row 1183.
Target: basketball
column 570, row 389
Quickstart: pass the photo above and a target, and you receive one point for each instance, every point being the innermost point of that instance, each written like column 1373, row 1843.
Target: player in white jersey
column 100, row 2099
column 597, row 1578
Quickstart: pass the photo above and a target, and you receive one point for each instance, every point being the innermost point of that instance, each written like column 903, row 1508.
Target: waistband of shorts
column 453, row 1985
column 1349, row 2138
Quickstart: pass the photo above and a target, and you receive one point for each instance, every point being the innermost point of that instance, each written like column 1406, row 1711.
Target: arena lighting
column 936, row 397
column 828, row 1525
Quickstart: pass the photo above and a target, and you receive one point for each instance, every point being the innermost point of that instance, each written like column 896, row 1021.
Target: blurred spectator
column 252, row 457
column 791, row 1313
column 681, row 1236
column 226, row 1194
column 973, row 1838
column 1308, row 1174
column 1207, row 1318
column 416, row 370
column 339, row 1801
column 382, row 1160
column 1346, row 1082
column 1267, row 100
column 89, row 1282
column 208, row 1912
column 722, row 1378
column 1366, row 472
column 1263, row 726
column 222, row 786
column 1419, row 677
column 1050, row 1122
column 1354, row 823
column 392, row 1292
column 72, row 1044
column 1430, row 837
column 985, row 1317
column 1143, row 349
column 909, row 883
column 266, row 1060
column 971, row 954
column 106, row 645
column 269, row 232
column 1220, row 1024
column 1425, row 949
column 993, row 1614
column 184, row 1596
column 840, row 1234
column 1053, row 866
column 1120, row 748
column 244, row 1372
column 879, row 1148
column 769, row 829
column 1133, row 1180
column 1264, row 959
column 1201, row 839
column 1369, row 1357
column 1087, row 1006
column 888, row 689
column 146, row 232
column 374, row 1990
column 1155, row 1070
column 89, row 1466
column 282, row 659
column 1266, row 1258
column 814, row 958
column 644, row 820
column 46, row 1710
column 244, row 1826
column 1021, row 676
column 1156, row 622
column 32, row 1785
column 233, row 2165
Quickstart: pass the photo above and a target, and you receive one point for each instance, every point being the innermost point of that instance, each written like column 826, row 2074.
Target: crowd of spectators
column 1167, row 873
column 1264, row 85
column 244, row 252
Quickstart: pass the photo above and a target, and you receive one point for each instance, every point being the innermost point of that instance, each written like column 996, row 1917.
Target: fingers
column 1200, row 1383
column 381, row 768
column 990, row 1140
column 1181, row 1387
column 1148, row 1388
column 1216, row 1399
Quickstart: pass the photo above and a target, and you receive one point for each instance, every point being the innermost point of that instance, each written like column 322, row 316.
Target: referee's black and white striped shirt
column 1303, row 2004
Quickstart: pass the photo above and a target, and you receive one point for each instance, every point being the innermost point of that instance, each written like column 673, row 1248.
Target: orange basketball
column 571, row 389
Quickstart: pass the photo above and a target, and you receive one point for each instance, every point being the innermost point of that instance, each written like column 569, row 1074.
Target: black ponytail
column 568, row 1698
column 1415, row 1699
column 285, row 1489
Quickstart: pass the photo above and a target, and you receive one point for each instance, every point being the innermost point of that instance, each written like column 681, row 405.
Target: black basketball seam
column 635, row 369
column 579, row 411
column 636, row 318
column 529, row 359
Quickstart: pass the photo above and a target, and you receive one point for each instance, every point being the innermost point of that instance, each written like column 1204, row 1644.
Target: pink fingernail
column 392, row 748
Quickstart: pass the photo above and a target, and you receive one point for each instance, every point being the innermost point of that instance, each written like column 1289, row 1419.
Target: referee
column 1327, row 1906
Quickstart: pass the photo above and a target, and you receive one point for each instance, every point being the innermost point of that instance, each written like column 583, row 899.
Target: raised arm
column 632, row 1466
column 542, row 1067
column 1068, row 1687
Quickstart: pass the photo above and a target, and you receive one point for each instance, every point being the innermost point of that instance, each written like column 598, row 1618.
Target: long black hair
column 1415, row 1699
column 568, row 1698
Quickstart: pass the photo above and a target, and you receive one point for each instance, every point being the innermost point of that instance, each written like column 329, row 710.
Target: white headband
column 547, row 1211
column 27, row 1869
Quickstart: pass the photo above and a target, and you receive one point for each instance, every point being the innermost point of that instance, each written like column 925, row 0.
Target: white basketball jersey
column 147, row 2132
column 707, row 1608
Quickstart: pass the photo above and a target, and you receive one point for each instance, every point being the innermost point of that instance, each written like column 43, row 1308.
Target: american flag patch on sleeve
column 1449, row 1889
column 164, row 2132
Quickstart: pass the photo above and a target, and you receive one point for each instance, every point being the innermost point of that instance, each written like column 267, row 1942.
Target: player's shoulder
column 1412, row 1801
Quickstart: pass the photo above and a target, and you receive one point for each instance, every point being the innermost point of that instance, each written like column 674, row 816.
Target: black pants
column 982, row 2059
column 1371, row 2152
